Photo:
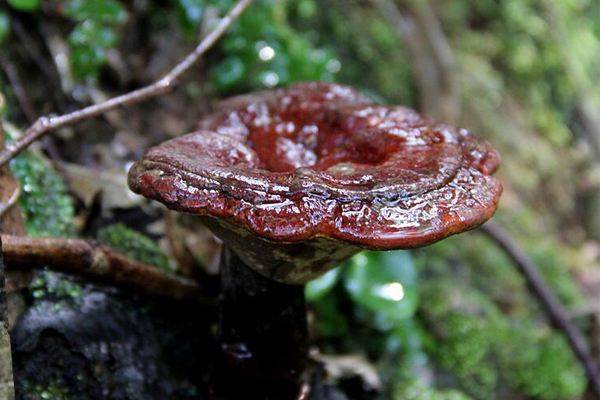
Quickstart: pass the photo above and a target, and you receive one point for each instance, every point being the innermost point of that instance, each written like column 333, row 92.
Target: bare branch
column 548, row 300
column 7, row 204
column 46, row 124
column 96, row 262
column 13, row 78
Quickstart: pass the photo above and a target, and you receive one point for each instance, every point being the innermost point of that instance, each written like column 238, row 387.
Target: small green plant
column 49, row 285
column 134, row 244
column 96, row 32
column 50, row 391
column 261, row 50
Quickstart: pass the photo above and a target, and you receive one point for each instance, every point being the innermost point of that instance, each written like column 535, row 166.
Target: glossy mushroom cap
column 297, row 179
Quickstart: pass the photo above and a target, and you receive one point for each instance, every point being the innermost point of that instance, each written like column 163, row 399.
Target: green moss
column 414, row 390
column 46, row 205
column 50, row 391
column 487, row 351
column 464, row 329
column 60, row 289
column 486, row 267
column 134, row 244
column 539, row 363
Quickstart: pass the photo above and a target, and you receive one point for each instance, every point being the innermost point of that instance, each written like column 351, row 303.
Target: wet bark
column 262, row 333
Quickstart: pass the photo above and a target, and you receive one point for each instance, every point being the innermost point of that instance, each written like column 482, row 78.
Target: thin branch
column 13, row 78
column 32, row 46
column 7, row 181
column 11, row 219
column 550, row 303
column 6, row 205
column 96, row 262
column 46, row 124
column 29, row 113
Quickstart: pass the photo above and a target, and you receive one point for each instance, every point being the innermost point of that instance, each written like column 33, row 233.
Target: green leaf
column 318, row 288
column 4, row 26
column 190, row 15
column 90, row 33
column 89, row 41
column 104, row 11
column 384, row 283
column 25, row 5
column 87, row 61
column 229, row 73
column 330, row 320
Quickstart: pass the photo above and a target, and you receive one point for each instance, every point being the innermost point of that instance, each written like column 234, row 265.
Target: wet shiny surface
column 322, row 160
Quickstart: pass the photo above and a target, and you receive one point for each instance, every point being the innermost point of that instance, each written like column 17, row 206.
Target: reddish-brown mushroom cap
column 321, row 161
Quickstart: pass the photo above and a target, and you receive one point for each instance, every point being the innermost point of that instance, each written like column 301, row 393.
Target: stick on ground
column 550, row 303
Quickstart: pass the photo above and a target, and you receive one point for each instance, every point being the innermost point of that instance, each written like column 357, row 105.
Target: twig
column 32, row 47
column 7, row 180
column 550, row 303
column 11, row 201
column 49, row 123
column 13, row 78
column 95, row 261
column 29, row 113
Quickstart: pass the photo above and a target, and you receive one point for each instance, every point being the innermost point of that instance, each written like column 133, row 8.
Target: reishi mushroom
column 294, row 181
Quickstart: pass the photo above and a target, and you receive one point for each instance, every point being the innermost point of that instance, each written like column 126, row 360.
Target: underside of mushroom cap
column 321, row 161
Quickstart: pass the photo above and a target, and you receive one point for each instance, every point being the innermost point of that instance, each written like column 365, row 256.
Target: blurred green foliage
column 261, row 49
column 4, row 26
column 94, row 34
column 134, row 244
column 96, row 31
column 24, row 5
column 371, row 56
column 385, row 284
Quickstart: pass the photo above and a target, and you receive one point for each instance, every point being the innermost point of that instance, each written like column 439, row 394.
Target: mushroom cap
column 321, row 161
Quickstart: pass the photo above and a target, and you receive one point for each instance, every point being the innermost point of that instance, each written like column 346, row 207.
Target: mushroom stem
column 263, row 334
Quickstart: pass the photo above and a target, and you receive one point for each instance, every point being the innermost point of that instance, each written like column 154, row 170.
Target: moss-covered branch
column 95, row 262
